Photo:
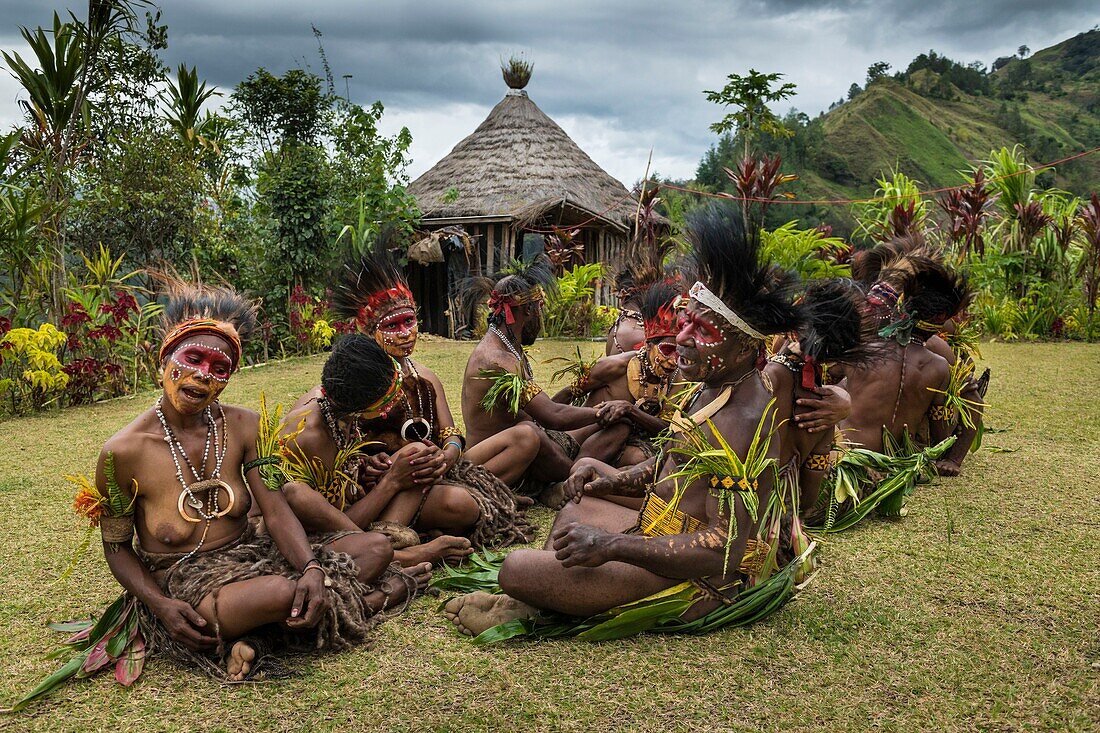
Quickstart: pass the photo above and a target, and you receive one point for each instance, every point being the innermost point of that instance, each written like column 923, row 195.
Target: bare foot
column 394, row 590
column 554, row 496
column 473, row 613
column 441, row 549
column 240, row 661
column 524, row 502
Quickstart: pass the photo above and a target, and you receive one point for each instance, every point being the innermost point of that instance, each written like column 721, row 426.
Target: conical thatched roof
column 519, row 163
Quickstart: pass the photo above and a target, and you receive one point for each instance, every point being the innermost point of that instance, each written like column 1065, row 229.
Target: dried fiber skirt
column 347, row 621
column 502, row 521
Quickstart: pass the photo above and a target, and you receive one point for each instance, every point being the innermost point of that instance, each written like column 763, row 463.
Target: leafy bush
column 31, row 375
column 572, row 311
column 810, row 252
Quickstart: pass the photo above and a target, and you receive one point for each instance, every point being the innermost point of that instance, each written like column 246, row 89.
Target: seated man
column 209, row 588
column 706, row 522
column 631, row 390
column 835, row 333
column 499, row 391
column 331, row 482
column 913, row 297
column 867, row 267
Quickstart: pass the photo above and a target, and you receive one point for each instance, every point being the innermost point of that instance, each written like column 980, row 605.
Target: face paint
column 397, row 333
column 198, row 374
column 703, row 346
column 662, row 356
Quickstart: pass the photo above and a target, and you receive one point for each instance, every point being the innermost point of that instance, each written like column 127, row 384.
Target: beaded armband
column 939, row 413
column 728, row 482
column 817, row 462
column 449, row 432
column 530, row 391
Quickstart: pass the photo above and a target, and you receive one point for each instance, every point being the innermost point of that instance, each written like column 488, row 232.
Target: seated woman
column 465, row 496
column 183, row 474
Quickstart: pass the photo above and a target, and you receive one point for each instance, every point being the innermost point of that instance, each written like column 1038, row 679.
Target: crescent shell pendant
column 212, row 484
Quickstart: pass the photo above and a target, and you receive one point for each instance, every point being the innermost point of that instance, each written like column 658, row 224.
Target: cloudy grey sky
column 620, row 77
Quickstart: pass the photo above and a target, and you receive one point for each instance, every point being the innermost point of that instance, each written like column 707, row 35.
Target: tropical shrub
column 571, row 312
column 812, row 253
column 31, row 375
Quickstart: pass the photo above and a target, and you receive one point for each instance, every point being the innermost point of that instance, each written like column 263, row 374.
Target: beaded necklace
column 342, row 438
column 520, row 354
column 210, row 509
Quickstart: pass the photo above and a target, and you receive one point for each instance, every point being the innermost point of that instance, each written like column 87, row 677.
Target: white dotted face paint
column 198, row 375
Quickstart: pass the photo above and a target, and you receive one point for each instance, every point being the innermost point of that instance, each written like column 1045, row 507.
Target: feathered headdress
column 930, row 294
column 753, row 296
column 371, row 286
column 194, row 309
column 867, row 264
column 659, row 308
column 836, row 329
column 645, row 266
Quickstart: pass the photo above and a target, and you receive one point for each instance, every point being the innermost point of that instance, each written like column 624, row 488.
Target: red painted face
column 397, row 333
column 195, row 374
column 703, row 346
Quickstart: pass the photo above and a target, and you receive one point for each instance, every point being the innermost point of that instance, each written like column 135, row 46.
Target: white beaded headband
column 700, row 293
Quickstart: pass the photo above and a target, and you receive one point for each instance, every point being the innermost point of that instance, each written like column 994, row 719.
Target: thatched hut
column 506, row 186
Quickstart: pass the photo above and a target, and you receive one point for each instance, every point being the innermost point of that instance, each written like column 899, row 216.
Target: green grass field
column 978, row 611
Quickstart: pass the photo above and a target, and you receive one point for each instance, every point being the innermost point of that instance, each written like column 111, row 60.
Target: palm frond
column 962, row 372
column 506, row 388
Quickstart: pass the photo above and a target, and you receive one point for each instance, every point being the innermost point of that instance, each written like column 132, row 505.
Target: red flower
column 5, row 325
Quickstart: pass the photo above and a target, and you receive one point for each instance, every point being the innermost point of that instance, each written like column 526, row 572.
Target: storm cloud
column 621, row 77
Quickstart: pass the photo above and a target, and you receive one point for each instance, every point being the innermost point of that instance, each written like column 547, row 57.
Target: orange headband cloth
column 197, row 327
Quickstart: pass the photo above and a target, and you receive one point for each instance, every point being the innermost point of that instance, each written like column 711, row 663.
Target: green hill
column 921, row 122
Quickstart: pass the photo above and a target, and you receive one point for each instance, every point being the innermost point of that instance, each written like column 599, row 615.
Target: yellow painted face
column 662, row 355
column 196, row 373
column 397, row 333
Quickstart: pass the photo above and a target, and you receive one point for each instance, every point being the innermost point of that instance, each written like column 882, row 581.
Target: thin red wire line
column 825, row 202
column 921, row 194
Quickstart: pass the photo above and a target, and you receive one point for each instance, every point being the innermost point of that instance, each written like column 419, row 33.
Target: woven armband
column 450, row 432
column 117, row 530
column 265, row 461
column 530, row 391
column 817, row 462
column 939, row 413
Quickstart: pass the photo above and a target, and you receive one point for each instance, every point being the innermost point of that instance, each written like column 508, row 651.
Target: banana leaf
column 659, row 613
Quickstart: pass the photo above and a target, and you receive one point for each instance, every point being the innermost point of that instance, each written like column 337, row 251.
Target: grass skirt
column 347, row 622
column 501, row 522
